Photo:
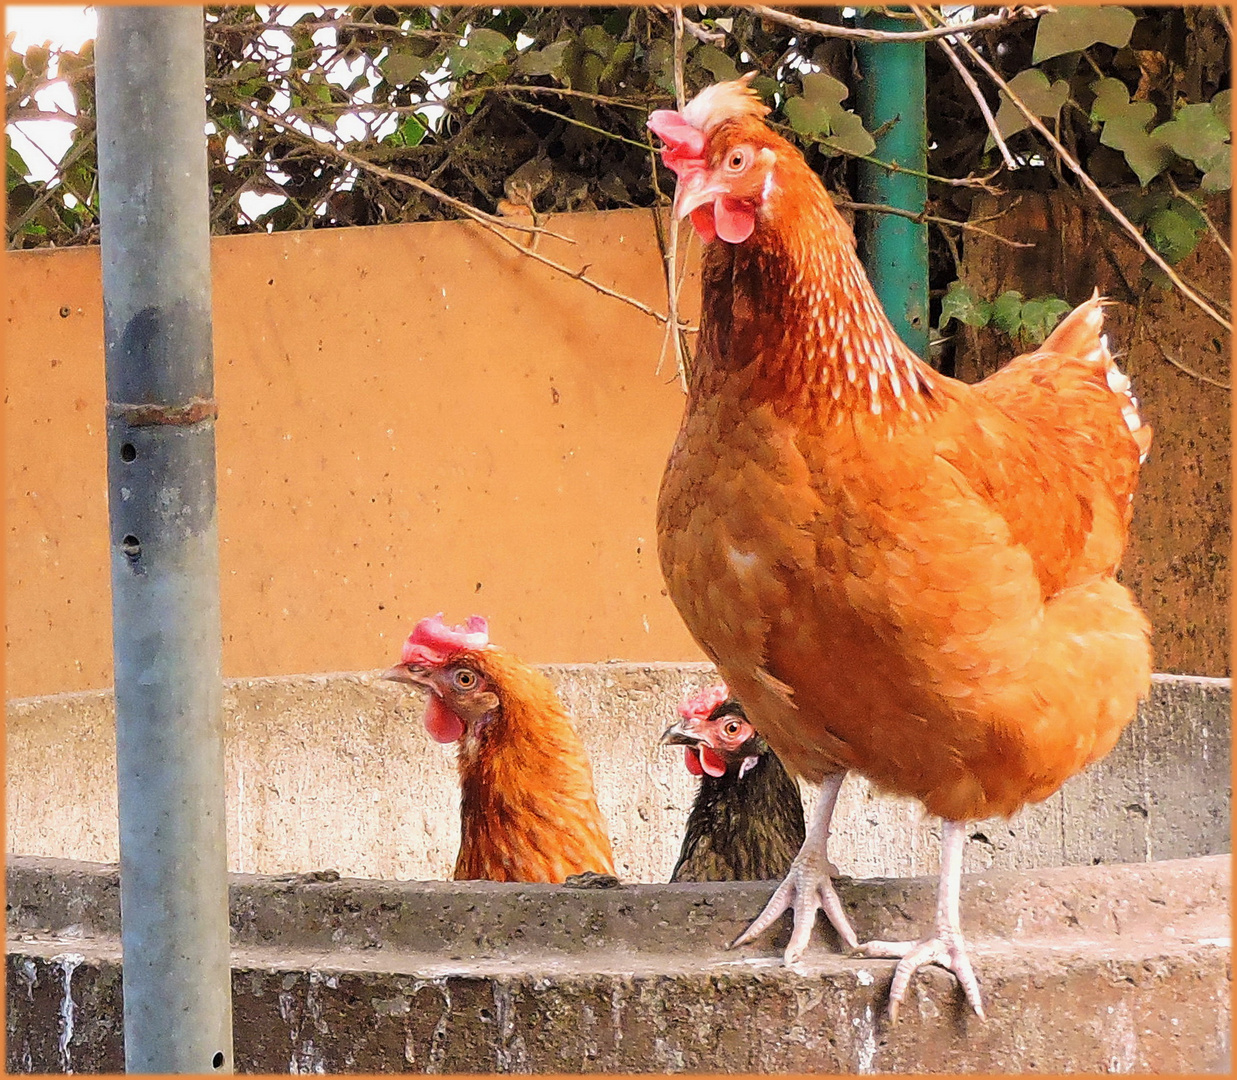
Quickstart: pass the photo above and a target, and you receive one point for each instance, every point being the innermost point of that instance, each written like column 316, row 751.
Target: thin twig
column 988, row 22
column 920, row 218
column 976, row 93
column 706, row 37
column 672, row 241
column 1188, row 370
column 495, row 225
column 1094, row 188
column 557, row 91
column 1224, row 20
column 580, row 123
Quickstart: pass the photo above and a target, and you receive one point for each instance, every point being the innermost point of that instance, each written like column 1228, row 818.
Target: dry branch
column 1003, row 17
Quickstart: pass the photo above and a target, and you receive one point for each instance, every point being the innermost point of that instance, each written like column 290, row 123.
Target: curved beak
column 693, row 191
column 406, row 673
column 683, row 733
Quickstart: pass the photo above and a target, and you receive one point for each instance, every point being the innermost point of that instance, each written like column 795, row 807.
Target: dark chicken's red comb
column 432, row 641
column 700, row 705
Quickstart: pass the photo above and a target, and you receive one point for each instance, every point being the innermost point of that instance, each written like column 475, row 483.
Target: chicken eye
column 464, row 679
column 737, row 160
column 733, row 728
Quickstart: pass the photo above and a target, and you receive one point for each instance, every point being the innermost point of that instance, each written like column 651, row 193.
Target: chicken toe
column 808, row 887
column 946, row 947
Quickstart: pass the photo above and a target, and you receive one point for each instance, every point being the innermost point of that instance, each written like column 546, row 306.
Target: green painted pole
column 891, row 96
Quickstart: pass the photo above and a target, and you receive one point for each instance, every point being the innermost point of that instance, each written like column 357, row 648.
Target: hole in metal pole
column 217, row 1060
column 131, row 546
column 128, row 452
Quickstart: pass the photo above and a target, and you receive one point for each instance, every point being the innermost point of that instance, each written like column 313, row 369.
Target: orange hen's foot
column 946, row 948
column 809, row 885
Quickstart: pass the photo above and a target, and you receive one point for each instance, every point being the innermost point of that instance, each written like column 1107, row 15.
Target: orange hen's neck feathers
column 800, row 266
column 527, row 803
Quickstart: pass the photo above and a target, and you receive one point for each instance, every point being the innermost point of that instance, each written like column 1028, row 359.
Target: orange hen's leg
column 946, row 947
column 809, row 885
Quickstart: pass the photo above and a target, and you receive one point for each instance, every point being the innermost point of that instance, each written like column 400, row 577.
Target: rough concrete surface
column 1106, row 968
column 336, row 771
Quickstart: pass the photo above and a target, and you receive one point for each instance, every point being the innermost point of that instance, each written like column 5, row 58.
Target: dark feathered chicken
column 747, row 821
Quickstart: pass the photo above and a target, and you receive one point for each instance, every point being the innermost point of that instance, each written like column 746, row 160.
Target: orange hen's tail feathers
column 1081, row 334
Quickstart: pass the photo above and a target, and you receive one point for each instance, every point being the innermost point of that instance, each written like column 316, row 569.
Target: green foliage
column 1027, row 322
column 1072, row 29
column 1037, row 93
column 818, row 114
column 1125, row 125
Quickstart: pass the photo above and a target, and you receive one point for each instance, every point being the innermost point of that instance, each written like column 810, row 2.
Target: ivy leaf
column 1072, row 29
column 483, row 49
column 716, row 63
column 1040, row 316
column 961, row 303
column 1007, row 312
column 410, row 133
column 402, row 67
column 595, row 39
column 1125, row 129
column 547, row 61
column 1197, row 134
column 1037, row 94
column 818, row 114
column 1172, row 233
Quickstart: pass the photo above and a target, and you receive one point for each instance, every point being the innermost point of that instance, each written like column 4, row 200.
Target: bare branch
column 1094, row 188
column 496, row 225
column 973, row 86
column 1003, row 17
column 920, row 218
column 1188, row 370
column 671, row 253
column 706, row 37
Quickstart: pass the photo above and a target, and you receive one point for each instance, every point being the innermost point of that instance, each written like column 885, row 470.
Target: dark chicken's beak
column 680, row 734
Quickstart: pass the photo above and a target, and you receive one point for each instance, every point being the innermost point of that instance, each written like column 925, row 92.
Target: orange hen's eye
column 736, row 161
column 464, row 679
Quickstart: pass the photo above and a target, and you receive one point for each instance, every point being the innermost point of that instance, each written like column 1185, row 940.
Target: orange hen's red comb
column 432, row 640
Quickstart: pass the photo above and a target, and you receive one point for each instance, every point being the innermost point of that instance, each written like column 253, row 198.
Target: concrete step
column 337, row 771
column 1103, row 968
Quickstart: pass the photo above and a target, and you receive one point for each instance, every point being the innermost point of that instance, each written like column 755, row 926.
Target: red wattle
column 442, row 724
column 711, row 761
column 692, row 760
column 702, row 219
column 733, row 220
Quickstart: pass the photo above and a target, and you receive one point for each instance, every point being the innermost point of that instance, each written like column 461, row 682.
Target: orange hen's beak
column 694, row 190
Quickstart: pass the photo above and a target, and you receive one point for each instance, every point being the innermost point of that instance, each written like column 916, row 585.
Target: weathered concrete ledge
column 322, row 771
column 1104, row 968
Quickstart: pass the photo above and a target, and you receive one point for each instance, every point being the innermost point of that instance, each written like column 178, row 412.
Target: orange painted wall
column 413, row 418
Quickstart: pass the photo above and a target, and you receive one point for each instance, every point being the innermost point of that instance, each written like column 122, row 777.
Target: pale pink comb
column 700, row 705
column 432, row 641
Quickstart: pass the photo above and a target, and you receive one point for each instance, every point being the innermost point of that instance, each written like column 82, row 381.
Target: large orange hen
column 896, row 573
column 527, row 807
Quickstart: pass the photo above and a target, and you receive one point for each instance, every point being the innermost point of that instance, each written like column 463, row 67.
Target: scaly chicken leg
column 946, row 947
column 810, row 883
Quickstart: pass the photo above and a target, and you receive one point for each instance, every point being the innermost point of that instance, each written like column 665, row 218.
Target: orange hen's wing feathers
column 527, row 802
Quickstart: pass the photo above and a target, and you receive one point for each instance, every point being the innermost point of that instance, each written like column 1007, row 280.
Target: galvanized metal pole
column 893, row 91
column 150, row 80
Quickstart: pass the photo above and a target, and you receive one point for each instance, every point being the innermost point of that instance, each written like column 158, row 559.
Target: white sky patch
column 64, row 27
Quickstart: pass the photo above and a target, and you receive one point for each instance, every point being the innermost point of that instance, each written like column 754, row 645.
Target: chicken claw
column 947, row 947
column 809, row 885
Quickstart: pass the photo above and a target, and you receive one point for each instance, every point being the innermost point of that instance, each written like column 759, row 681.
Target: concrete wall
column 415, row 418
column 1090, row 969
column 336, row 771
